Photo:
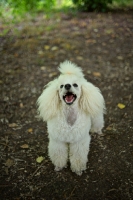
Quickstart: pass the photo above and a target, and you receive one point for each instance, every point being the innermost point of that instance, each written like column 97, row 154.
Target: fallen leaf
column 43, row 68
column 84, row 24
column 97, row 74
column 13, row 125
column 88, row 72
column 24, row 146
column 40, row 52
column 112, row 189
column 54, row 48
column 16, row 55
column 39, row 159
column 91, row 41
column 52, row 74
column 109, row 31
column 30, row 130
column 109, row 128
column 121, row 106
column 79, row 58
column 9, row 163
column 95, row 30
column 46, row 47
column 119, row 57
column 21, row 105
column 67, row 46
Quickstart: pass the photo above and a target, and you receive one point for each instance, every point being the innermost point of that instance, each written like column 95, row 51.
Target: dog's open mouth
column 69, row 98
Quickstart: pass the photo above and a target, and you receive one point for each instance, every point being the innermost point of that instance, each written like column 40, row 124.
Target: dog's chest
column 71, row 116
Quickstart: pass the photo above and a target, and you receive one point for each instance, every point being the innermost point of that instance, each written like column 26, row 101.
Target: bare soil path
column 102, row 44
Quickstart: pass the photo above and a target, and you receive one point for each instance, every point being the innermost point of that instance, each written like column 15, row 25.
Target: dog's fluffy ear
column 91, row 100
column 48, row 102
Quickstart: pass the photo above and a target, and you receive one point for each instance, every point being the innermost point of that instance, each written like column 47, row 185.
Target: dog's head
column 70, row 88
column 69, row 83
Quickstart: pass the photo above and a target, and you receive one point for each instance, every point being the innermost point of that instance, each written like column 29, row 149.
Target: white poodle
column 71, row 106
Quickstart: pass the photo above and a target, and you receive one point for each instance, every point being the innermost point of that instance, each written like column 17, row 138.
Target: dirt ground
column 30, row 52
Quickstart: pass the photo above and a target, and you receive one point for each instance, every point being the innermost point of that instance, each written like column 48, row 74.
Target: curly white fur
column 70, row 120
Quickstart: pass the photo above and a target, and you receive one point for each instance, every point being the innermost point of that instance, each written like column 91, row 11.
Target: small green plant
column 93, row 5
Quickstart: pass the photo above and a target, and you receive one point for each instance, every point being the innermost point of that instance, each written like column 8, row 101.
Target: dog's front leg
column 58, row 153
column 79, row 154
column 97, row 123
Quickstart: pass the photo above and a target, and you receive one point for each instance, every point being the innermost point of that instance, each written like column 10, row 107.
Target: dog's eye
column 61, row 86
column 75, row 85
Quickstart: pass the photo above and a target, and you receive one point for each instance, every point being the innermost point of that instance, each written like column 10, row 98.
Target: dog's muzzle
column 69, row 98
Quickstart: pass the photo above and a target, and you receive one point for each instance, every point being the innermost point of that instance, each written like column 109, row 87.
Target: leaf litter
column 102, row 45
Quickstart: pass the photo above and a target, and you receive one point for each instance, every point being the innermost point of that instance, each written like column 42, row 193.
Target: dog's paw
column 96, row 130
column 57, row 169
column 79, row 173
column 78, row 170
column 99, row 132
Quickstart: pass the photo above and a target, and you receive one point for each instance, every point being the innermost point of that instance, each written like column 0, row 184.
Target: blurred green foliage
column 20, row 7
column 93, row 5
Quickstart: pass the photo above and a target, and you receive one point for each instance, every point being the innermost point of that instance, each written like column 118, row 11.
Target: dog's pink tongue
column 69, row 98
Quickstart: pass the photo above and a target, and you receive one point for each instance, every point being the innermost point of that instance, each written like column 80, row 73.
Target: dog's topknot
column 69, row 68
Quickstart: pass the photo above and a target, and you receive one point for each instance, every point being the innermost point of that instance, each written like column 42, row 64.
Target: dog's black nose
column 67, row 86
